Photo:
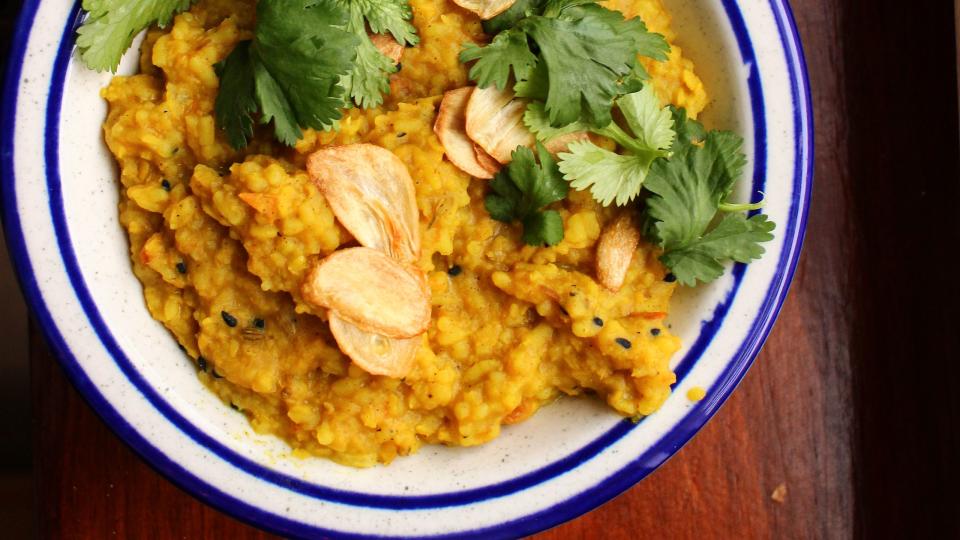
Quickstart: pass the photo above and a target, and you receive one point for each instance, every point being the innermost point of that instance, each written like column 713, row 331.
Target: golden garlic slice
column 486, row 161
column 387, row 46
column 374, row 353
column 451, row 130
column 615, row 250
column 485, row 9
column 372, row 291
column 372, row 195
column 562, row 143
column 495, row 122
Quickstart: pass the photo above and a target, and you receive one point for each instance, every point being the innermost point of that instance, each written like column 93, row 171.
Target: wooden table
column 853, row 404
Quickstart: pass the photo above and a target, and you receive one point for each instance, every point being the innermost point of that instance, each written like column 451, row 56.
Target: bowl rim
column 574, row 506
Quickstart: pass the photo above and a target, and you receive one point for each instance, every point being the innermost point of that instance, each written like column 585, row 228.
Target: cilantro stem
column 621, row 137
column 741, row 207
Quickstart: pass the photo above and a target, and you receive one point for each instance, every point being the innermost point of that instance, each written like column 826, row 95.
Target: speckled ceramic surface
column 59, row 200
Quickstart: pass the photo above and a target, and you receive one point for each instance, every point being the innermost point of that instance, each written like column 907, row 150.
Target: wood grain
column 852, row 403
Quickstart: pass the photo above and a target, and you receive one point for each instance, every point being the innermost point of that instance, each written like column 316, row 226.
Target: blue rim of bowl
column 563, row 511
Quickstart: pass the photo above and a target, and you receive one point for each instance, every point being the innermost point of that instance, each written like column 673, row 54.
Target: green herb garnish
column 111, row 26
column 523, row 189
column 573, row 55
column 687, row 192
column 612, row 177
column 309, row 59
column 291, row 71
column 369, row 79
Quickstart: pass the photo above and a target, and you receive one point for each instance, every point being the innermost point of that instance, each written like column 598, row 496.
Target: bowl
column 60, row 215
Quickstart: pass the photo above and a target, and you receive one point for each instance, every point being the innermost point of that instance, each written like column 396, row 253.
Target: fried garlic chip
column 372, row 195
column 562, row 143
column 495, row 122
column 451, row 130
column 372, row 291
column 374, row 353
column 615, row 251
column 485, row 9
column 486, row 161
column 387, row 46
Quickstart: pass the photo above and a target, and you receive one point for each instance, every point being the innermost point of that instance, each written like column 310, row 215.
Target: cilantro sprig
column 687, row 191
column 612, row 177
column 111, row 25
column 369, row 80
column 573, row 55
column 308, row 60
column 522, row 190
column 291, row 71
column 689, row 175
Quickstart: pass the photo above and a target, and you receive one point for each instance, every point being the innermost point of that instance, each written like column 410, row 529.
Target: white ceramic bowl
column 60, row 215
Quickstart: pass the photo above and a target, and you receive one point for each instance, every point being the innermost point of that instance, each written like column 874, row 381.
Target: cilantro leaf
column 652, row 126
column 508, row 51
column 237, row 101
column 574, row 55
column 687, row 192
column 295, row 64
column 543, row 228
column 305, row 49
column 688, row 131
column 609, row 176
column 388, row 16
column 369, row 79
column 734, row 238
column 689, row 187
column 521, row 190
column 111, row 25
column 585, row 60
column 520, row 9
column 537, row 121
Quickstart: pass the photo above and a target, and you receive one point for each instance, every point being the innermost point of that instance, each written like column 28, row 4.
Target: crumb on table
column 779, row 494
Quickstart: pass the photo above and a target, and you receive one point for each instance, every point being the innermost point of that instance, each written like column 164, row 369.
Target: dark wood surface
column 853, row 404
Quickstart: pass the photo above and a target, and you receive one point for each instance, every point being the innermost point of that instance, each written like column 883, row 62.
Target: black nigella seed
column 234, row 407
column 655, row 332
column 670, row 278
column 454, row 270
column 625, row 343
column 202, row 363
column 259, row 323
column 165, row 184
column 182, row 267
column 401, row 134
column 229, row 319
column 598, row 321
column 399, row 67
column 564, row 311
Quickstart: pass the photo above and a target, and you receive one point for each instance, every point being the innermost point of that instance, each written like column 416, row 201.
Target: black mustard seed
column 229, row 319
